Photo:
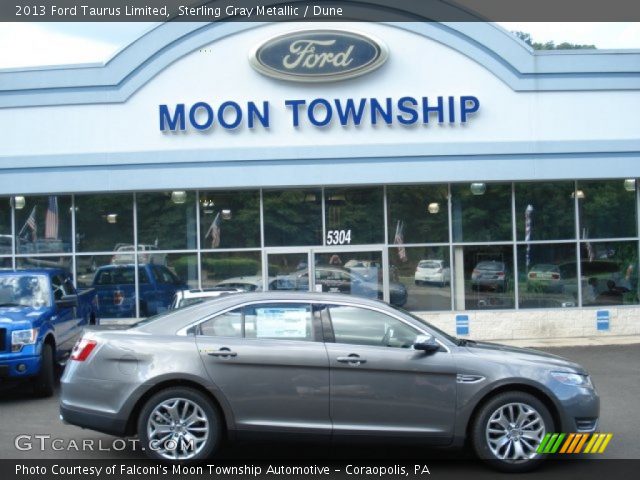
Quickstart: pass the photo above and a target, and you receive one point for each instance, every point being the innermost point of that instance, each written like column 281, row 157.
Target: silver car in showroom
column 331, row 365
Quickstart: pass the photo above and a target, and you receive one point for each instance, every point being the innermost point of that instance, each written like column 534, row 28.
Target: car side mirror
column 67, row 301
column 426, row 343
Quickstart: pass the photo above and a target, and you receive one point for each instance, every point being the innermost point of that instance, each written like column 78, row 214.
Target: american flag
column 51, row 220
column 399, row 240
column 214, row 231
column 31, row 223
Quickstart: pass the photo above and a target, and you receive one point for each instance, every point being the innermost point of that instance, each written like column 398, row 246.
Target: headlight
column 573, row 379
column 19, row 338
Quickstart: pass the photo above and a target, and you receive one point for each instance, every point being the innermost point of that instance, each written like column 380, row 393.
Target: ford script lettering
column 303, row 53
column 318, row 56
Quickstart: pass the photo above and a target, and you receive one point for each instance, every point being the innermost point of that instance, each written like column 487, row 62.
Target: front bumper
column 16, row 366
column 579, row 410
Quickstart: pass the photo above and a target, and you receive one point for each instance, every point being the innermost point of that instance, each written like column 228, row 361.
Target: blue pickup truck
column 115, row 286
column 41, row 317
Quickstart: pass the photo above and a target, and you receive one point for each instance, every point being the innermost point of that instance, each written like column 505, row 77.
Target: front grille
column 3, row 339
column 586, row 424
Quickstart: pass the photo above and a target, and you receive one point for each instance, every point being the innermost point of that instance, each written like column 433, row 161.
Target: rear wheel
column 179, row 424
column 44, row 382
column 508, row 429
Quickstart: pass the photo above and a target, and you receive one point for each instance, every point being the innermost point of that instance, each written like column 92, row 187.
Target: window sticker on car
column 281, row 322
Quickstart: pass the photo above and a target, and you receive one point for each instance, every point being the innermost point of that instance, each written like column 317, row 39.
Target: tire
column 511, row 404
column 44, row 382
column 156, row 414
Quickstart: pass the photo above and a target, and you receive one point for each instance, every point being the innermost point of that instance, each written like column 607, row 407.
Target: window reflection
column 354, row 215
column 43, row 224
column 422, row 212
column 5, row 227
column 232, row 270
column 481, row 212
column 609, row 273
column 607, row 209
column 545, row 211
column 292, row 217
column 426, row 271
column 484, row 277
column 229, row 219
column 104, row 222
column 166, row 221
column 547, row 275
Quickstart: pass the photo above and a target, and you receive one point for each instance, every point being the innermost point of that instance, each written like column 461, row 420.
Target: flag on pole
column 590, row 251
column 51, row 220
column 399, row 240
column 31, row 223
column 214, row 231
column 527, row 231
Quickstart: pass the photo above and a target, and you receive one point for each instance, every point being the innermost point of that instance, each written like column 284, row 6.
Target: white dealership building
column 445, row 167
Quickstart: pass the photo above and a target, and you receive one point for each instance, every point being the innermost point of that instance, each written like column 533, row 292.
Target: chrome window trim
column 346, row 303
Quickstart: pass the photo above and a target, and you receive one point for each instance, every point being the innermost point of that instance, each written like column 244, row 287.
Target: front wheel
column 44, row 382
column 508, row 430
column 180, row 425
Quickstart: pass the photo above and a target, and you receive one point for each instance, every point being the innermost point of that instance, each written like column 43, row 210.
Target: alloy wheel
column 514, row 432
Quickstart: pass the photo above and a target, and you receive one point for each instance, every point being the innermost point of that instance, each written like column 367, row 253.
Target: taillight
column 555, row 276
column 439, row 270
column 500, row 274
column 83, row 349
column 533, row 275
column 118, row 297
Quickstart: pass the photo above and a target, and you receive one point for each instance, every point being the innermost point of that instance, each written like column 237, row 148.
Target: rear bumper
column 93, row 420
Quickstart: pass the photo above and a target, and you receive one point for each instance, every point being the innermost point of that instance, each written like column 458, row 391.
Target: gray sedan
column 330, row 365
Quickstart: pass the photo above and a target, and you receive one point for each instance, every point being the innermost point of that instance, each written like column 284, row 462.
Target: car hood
column 21, row 317
column 522, row 355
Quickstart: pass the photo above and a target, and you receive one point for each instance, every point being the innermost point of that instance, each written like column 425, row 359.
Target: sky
column 40, row 44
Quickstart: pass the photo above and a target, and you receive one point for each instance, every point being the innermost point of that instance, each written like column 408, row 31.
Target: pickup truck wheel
column 44, row 382
column 179, row 424
column 508, row 429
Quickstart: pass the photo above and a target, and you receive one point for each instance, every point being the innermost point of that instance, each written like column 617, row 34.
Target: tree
column 526, row 38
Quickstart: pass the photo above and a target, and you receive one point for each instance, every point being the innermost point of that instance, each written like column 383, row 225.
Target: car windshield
column 24, row 291
column 545, row 268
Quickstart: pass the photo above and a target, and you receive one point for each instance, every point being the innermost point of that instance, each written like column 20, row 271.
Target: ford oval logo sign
column 319, row 56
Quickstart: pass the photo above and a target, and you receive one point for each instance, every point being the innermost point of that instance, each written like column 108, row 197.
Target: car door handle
column 352, row 359
column 223, row 353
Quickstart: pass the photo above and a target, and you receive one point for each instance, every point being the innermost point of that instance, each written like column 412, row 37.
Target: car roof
column 180, row 318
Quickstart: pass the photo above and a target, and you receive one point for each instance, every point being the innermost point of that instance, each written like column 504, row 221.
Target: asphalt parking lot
column 615, row 371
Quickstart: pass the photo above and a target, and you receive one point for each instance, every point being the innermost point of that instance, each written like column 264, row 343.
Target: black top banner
column 319, row 10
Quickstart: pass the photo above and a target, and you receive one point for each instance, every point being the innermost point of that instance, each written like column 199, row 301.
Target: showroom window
column 104, row 222
column 545, row 210
column 610, row 273
column 229, row 219
column 418, row 213
column 242, row 270
column 43, row 225
column 607, row 209
column 481, row 212
column 483, row 246
column 6, row 236
column 292, row 217
column 425, row 272
column 354, row 216
column 166, row 221
column 547, row 275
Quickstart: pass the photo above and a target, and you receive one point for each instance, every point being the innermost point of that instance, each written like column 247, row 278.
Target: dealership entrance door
column 351, row 270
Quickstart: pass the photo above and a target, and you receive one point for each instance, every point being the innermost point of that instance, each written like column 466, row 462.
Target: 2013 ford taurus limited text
column 325, row 364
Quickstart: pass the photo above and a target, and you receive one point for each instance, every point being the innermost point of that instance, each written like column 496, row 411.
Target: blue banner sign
column 462, row 324
column 602, row 320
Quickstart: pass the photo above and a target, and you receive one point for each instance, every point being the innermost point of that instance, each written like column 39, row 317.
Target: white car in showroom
column 433, row 271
